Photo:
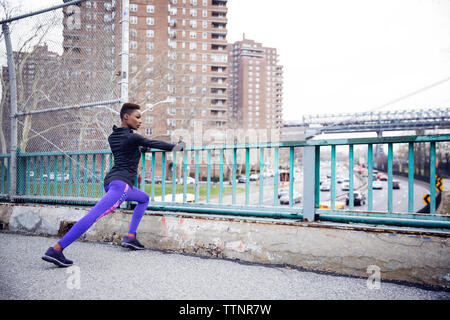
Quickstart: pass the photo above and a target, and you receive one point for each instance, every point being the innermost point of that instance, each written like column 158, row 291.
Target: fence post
column 125, row 23
column 309, row 185
column 13, row 111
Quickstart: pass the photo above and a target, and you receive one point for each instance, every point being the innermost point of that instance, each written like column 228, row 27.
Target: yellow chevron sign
column 439, row 184
column 426, row 198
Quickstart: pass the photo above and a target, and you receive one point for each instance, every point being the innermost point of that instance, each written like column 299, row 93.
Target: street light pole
column 168, row 100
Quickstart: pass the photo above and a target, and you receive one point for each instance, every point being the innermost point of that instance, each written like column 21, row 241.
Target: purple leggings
column 116, row 192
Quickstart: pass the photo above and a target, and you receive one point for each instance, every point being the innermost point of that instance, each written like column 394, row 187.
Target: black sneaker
column 56, row 257
column 131, row 243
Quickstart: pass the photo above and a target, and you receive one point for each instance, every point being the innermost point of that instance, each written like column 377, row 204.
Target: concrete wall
column 416, row 256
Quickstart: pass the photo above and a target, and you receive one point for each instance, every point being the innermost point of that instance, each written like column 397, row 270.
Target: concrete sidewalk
column 106, row 271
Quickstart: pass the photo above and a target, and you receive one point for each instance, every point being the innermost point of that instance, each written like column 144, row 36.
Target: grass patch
column 94, row 190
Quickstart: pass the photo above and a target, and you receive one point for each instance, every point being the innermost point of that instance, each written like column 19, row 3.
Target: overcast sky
column 347, row 55
column 351, row 55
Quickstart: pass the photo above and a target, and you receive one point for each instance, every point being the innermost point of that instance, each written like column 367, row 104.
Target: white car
column 254, row 177
column 325, row 186
column 377, row 185
column 345, row 186
column 189, row 180
column 297, row 198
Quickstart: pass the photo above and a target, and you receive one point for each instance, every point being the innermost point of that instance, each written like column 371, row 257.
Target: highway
column 380, row 196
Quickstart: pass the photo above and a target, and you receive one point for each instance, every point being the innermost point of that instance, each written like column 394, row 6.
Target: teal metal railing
column 77, row 177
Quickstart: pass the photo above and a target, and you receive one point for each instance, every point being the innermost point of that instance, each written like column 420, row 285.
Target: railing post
column 20, row 174
column 317, row 177
column 351, row 199
column 333, row 178
column 432, row 177
column 309, row 182
column 411, row 177
column 390, row 178
column 370, row 177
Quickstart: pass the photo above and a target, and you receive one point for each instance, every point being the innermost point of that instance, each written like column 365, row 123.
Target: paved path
column 108, row 271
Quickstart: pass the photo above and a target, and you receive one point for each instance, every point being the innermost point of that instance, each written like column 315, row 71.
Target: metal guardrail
column 77, row 178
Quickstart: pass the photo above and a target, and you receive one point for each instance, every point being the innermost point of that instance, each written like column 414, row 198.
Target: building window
column 133, row 20
column 133, row 45
column 148, row 131
column 148, row 119
column 204, row 13
column 171, row 111
column 193, row 12
column 150, row 21
column 205, row 24
column 150, row 33
column 150, row 8
column 133, row 7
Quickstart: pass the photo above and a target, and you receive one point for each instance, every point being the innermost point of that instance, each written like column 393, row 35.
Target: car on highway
column 345, row 186
column 359, row 198
column 377, row 185
column 254, row 177
column 383, row 177
column 325, row 186
column 189, row 180
column 395, row 184
column 241, row 179
column 158, row 179
column 340, row 179
column 59, row 177
column 297, row 198
column 268, row 173
column 282, row 192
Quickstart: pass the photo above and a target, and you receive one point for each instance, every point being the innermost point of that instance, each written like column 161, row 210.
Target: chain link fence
column 66, row 87
column 67, row 64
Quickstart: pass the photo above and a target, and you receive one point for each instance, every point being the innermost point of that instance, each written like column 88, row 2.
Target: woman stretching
column 126, row 148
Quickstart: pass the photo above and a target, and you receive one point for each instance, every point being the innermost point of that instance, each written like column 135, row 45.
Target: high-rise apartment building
column 255, row 85
column 37, row 72
column 178, row 49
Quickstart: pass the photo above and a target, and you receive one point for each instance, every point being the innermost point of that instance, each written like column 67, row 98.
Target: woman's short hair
column 128, row 108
